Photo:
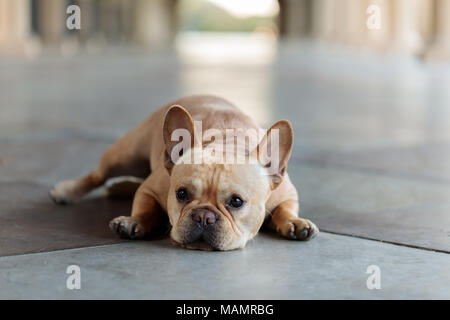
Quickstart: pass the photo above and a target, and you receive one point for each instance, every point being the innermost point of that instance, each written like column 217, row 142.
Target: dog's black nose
column 204, row 217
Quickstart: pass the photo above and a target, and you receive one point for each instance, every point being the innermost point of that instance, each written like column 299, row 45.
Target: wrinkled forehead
column 239, row 178
column 217, row 153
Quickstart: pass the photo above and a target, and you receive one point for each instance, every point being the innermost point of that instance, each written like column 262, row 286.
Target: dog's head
column 218, row 205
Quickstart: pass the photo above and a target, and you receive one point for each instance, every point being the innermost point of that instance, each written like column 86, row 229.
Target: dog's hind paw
column 63, row 192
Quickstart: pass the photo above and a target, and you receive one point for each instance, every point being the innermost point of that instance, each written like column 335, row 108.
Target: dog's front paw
column 127, row 228
column 64, row 192
column 298, row 229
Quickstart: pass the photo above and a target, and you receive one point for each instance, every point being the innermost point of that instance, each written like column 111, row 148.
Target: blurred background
column 253, row 52
column 418, row 27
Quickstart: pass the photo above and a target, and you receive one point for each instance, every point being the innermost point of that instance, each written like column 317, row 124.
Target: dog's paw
column 127, row 228
column 64, row 192
column 298, row 229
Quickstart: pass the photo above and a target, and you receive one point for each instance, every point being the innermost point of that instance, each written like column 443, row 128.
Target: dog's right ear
column 179, row 134
column 281, row 142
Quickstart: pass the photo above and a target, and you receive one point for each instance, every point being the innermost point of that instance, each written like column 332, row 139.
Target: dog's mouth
column 199, row 244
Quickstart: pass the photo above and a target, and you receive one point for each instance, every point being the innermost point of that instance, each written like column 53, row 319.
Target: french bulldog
column 210, row 204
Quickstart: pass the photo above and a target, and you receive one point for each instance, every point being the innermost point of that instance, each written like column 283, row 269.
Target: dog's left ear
column 178, row 133
column 274, row 150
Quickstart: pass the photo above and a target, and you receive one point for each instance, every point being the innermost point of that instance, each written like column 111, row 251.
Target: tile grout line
column 61, row 250
column 321, row 230
column 386, row 241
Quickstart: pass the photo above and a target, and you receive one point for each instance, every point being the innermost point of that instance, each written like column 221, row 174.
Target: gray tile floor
column 332, row 267
column 371, row 160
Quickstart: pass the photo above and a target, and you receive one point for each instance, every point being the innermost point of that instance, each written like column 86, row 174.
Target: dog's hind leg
column 118, row 160
column 125, row 187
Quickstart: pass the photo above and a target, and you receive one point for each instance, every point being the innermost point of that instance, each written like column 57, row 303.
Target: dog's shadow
column 91, row 216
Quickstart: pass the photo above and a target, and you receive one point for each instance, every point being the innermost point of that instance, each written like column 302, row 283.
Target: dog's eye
column 235, row 202
column 182, row 194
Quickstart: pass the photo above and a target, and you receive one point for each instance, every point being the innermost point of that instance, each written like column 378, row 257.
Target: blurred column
column 15, row 17
column 323, row 19
column 378, row 39
column 88, row 17
column 426, row 22
column 154, row 22
column 126, row 19
column 51, row 21
column 109, row 21
column 406, row 35
column 339, row 21
column 347, row 22
column 440, row 47
column 295, row 18
column 354, row 22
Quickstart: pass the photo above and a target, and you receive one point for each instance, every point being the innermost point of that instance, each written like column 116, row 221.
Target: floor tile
column 384, row 207
column 328, row 267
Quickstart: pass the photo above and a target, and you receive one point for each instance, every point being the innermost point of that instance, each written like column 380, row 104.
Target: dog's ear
column 178, row 133
column 274, row 151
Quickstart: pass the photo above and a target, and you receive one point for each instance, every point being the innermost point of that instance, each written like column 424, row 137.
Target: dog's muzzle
column 203, row 229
